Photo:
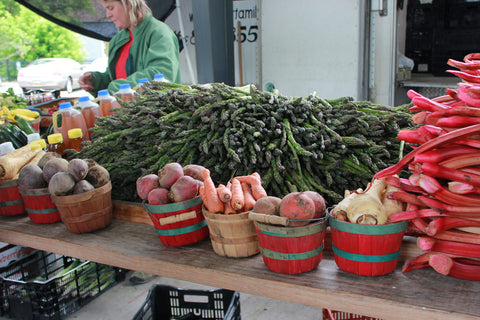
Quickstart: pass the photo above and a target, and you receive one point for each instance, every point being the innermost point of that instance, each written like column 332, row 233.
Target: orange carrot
column 224, row 193
column 255, row 183
column 249, row 200
column 210, row 197
column 229, row 209
column 238, row 199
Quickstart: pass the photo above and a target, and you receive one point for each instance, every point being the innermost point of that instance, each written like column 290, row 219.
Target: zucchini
column 7, row 134
column 18, row 133
column 24, row 125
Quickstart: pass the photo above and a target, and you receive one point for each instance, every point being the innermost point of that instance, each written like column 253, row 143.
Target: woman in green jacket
column 143, row 47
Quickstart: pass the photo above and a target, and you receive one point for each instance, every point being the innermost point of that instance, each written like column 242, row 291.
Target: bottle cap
column 33, row 137
column 35, row 145
column 55, row 138
column 64, row 105
column 125, row 86
column 158, row 76
column 142, row 80
column 103, row 93
column 84, row 99
column 42, row 143
column 75, row 133
column 6, row 148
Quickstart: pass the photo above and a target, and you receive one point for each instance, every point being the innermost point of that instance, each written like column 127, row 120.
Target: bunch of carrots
column 238, row 195
column 442, row 192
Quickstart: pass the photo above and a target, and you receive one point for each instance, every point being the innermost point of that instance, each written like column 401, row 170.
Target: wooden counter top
column 418, row 294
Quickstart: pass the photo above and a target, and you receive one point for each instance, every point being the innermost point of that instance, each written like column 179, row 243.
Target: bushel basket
column 232, row 235
column 87, row 211
column 11, row 202
column 39, row 205
column 178, row 224
column 366, row 250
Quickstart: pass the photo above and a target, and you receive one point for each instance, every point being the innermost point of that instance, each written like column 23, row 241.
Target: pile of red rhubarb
column 442, row 190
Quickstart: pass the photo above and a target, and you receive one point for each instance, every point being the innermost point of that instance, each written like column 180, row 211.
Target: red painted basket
column 39, row 205
column 178, row 224
column 291, row 250
column 11, row 202
column 366, row 250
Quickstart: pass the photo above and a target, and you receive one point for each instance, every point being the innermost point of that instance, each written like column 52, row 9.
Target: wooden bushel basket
column 39, row 205
column 232, row 235
column 11, row 202
column 179, row 224
column 292, row 250
column 366, row 250
column 87, row 211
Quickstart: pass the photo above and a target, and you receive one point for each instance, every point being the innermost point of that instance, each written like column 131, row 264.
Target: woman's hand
column 86, row 81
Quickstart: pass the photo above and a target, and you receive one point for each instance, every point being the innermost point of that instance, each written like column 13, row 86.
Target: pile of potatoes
column 63, row 177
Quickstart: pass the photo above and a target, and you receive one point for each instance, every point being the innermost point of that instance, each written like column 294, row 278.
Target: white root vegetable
column 367, row 207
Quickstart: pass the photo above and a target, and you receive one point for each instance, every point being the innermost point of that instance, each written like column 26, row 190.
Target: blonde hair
column 137, row 10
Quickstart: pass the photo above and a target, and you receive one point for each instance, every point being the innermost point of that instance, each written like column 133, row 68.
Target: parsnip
column 12, row 163
column 367, row 207
column 340, row 210
column 391, row 206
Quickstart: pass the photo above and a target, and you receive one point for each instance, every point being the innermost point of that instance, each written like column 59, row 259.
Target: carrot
column 224, row 192
column 210, row 197
column 238, row 199
column 229, row 209
column 249, row 199
column 255, row 183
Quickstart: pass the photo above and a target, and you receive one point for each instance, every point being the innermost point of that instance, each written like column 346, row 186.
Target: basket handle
column 268, row 218
column 175, row 218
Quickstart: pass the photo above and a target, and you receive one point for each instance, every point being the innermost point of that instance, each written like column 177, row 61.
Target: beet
column 98, row 176
column 169, row 174
column 268, row 205
column 47, row 157
column 319, row 201
column 158, row 196
column 146, row 184
column 82, row 186
column 61, row 184
column 194, row 171
column 31, row 177
column 53, row 166
column 185, row 188
column 297, row 206
column 78, row 168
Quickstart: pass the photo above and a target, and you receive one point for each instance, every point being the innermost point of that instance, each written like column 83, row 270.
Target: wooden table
column 130, row 242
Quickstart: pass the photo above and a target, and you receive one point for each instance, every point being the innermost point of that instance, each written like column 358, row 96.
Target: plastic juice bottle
column 140, row 84
column 6, row 148
column 55, row 143
column 76, row 138
column 67, row 118
column 160, row 78
column 107, row 102
column 33, row 137
column 126, row 93
column 90, row 110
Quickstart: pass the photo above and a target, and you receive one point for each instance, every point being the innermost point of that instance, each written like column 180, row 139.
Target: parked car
column 50, row 74
column 99, row 64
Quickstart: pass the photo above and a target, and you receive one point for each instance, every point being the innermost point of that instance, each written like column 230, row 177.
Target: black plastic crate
column 166, row 303
column 50, row 286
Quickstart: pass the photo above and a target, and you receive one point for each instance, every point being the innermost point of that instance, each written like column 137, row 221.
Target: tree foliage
column 28, row 36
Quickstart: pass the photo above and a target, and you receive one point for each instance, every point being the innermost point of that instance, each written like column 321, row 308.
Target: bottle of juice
column 107, row 102
column 55, row 143
column 76, row 138
column 160, row 78
column 90, row 110
column 140, row 84
column 126, row 93
column 67, row 118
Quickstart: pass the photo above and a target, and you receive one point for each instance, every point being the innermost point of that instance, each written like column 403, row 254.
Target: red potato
column 297, row 206
column 194, row 171
column 158, row 196
column 319, row 201
column 169, row 174
column 146, row 184
column 185, row 188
